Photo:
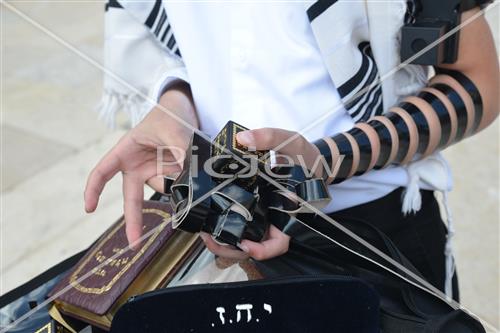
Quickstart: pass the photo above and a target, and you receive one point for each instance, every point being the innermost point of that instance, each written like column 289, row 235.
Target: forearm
column 176, row 107
column 177, row 101
column 174, row 116
column 449, row 109
column 458, row 102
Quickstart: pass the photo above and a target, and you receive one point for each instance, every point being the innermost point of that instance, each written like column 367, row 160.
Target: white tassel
column 135, row 106
column 412, row 199
column 432, row 171
column 107, row 108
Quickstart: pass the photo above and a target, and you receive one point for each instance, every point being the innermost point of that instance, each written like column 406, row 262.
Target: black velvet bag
column 293, row 305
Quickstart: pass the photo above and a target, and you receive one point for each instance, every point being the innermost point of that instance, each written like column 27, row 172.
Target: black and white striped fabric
column 362, row 93
column 157, row 21
column 359, row 41
column 354, row 38
column 154, row 16
column 139, row 49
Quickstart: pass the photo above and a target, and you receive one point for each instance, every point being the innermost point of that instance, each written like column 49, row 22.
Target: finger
column 276, row 245
column 270, row 138
column 133, row 195
column 156, row 183
column 291, row 145
column 99, row 176
column 155, row 180
column 224, row 251
column 170, row 159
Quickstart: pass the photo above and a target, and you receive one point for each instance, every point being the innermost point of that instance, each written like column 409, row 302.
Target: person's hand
column 276, row 242
column 285, row 143
column 135, row 156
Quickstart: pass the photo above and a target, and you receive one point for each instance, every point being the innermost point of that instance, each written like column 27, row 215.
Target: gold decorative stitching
column 47, row 328
column 221, row 141
column 73, row 279
column 242, row 149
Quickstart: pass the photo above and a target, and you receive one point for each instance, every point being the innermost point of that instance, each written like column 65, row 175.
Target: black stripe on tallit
column 112, row 4
column 165, row 33
column 150, row 21
column 370, row 109
column 351, row 84
column 171, row 42
column 318, row 8
column 366, row 90
column 163, row 19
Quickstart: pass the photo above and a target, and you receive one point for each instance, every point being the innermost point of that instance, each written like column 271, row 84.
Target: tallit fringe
column 412, row 199
column 112, row 102
column 412, row 202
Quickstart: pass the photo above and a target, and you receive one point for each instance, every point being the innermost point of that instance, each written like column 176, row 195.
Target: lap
column 420, row 237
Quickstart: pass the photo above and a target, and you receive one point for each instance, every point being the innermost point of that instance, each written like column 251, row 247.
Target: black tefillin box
column 230, row 157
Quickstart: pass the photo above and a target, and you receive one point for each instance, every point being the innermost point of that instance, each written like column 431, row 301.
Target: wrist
column 176, row 107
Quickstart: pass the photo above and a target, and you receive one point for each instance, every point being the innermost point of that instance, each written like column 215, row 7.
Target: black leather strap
column 471, row 88
column 403, row 135
column 422, row 125
column 459, row 105
column 325, row 151
column 385, row 142
column 345, row 149
column 365, row 150
column 442, row 113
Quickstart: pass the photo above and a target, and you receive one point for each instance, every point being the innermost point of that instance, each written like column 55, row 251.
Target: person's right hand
column 135, row 156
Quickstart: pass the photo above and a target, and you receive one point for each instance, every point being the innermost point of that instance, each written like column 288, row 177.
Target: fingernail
column 87, row 207
column 134, row 245
column 244, row 248
column 203, row 236
column 245, row 138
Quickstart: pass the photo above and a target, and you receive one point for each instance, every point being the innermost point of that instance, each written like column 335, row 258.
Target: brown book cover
column 109, row 273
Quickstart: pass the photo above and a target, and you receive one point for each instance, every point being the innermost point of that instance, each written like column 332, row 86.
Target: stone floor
column 51, row 139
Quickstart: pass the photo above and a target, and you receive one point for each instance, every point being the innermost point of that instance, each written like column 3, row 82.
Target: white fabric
column 244, row 77
column 132, row 54
column 264, row 64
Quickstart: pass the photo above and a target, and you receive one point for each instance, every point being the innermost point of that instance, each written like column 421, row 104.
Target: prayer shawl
column 359, row 42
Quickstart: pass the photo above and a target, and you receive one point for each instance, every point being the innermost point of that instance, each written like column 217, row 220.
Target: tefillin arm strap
column 449, row 109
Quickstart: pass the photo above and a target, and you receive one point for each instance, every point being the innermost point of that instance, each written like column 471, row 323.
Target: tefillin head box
column 229, row 156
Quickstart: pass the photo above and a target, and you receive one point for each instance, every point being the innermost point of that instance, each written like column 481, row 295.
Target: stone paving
column 51, row 139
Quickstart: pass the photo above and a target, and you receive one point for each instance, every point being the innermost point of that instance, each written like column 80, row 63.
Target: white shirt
column 258, row 64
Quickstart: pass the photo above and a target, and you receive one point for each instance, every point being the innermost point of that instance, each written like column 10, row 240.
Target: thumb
column 246, row 138
column 266, row 138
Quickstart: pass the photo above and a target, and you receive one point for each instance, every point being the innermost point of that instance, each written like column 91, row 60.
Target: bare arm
column 455, row 104
column 458, row 102
column 478, row 60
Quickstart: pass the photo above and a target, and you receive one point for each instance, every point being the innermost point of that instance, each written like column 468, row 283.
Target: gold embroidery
column 242, row 149
column 128, row 264
column 46, row 329
column 221, row 141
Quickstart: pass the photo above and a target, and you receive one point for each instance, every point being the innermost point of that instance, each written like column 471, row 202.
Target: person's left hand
column 275, row 243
